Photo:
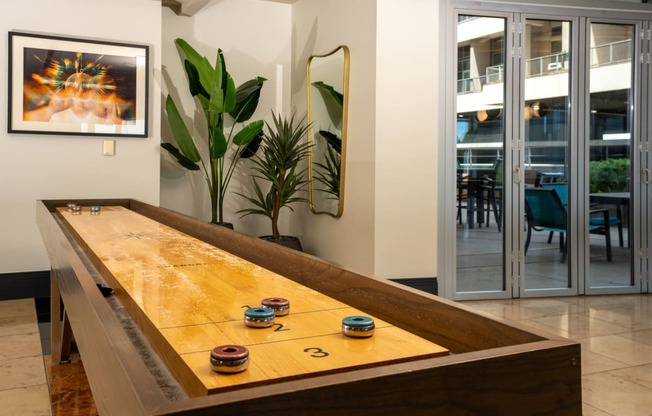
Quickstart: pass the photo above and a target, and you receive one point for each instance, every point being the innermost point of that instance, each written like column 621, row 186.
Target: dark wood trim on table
column 496, row 366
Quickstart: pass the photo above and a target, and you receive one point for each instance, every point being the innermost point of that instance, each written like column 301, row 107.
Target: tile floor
column 616, row 337
column 23, row 384
column 615, row 333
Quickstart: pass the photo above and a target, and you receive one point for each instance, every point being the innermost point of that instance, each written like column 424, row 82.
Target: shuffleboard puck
column 358, row 326
column 280, row 306
column 229, row 359
column 259, row 317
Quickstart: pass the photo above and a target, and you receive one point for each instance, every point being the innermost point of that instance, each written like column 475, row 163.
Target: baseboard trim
column 25, row 285
column 426, row 284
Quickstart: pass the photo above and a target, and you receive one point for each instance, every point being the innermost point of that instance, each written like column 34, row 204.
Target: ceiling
column 190, row 7
column 185, row 7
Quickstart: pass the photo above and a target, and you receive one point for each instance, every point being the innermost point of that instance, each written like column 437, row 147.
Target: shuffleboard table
column 181, row 287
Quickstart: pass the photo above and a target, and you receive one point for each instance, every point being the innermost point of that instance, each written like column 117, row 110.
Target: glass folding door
column 643, row 189
column 546, row 68
column 479, row 146
column 610, row 168
column 553, row 146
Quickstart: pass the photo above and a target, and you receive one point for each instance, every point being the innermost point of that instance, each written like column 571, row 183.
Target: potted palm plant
column 216, row 94
column 278, row 177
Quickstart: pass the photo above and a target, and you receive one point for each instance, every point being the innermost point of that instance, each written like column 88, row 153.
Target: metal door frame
column 641, row 152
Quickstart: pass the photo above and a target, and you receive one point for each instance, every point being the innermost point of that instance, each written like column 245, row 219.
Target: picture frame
column 65, row 86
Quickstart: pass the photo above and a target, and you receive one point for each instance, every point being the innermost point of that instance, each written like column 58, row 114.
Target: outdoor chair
column 545, row 211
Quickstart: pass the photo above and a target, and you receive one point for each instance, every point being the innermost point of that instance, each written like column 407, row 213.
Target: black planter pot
column 225, row 224
column 285, row 241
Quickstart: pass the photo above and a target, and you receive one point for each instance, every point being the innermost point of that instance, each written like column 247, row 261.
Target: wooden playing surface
column 195, row 295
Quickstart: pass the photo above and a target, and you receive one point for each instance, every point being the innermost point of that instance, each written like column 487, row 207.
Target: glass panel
column 547, row 131
column 611, row 71
column 479, row 145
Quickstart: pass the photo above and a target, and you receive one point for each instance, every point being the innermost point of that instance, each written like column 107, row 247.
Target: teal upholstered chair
column 546, row 212
column 600, row 221
column 561, row 188
column 493, row 188
column 562, row 191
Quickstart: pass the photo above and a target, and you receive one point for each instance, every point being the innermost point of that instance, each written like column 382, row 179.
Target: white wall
column 36, row 167
column 388, row 226
column 255, row 37
column 319, row 27
column 406, row 137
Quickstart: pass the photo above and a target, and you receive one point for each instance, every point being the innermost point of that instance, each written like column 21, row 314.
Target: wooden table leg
column 55, row 323
column 60, row 335
column 66, row 339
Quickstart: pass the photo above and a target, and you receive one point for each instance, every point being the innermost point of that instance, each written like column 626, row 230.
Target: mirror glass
column 328, row 85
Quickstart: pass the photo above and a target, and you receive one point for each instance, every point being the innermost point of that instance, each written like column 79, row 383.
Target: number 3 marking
column 318, row 352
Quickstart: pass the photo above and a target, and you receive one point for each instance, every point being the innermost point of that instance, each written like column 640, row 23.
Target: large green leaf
column 191, row 54
column 203, row 65
column 248, row 133
column 194, row 83
column 219, row 143
column 183, row 161
column 328, row 90
column 229, row 94
column 333, row 140
column 204, row 104
column 206, row 73
column 216, row 103
column 220, row 56
column 251, row 149
column 180, row 131
column 249, row 87
column 247, row 97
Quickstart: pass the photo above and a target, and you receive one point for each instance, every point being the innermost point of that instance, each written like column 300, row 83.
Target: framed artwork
column 60, row 85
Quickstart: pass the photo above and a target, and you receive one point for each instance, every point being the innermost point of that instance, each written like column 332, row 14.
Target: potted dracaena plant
column 283, row 148
column 215, row 91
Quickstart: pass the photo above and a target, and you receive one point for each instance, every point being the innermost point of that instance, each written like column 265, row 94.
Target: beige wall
column 321, row 26
column 406, row 138
column 40, row 167
column 388, row 227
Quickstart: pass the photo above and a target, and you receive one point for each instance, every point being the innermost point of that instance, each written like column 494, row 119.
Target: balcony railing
column 546, row 65
column 601, row 55
column 611, row 53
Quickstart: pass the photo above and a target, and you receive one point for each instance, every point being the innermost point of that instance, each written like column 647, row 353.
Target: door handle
column 517, row 174
column 646, row 172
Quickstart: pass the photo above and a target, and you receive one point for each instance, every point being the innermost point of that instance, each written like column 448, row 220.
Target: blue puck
column 259, row 317
column 358, row 326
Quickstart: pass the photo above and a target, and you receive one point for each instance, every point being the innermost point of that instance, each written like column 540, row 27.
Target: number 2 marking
column 318, row 352
column 280, row 327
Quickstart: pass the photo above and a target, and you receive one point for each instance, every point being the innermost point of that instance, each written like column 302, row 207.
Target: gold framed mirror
column 328, row 90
